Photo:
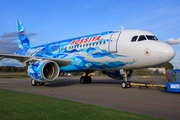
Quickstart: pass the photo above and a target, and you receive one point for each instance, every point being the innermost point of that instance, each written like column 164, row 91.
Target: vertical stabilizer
column 23, row 41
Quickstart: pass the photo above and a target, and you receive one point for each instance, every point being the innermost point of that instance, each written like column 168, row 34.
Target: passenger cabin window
column 134, row 39
column 151, row 37
column 141, row 38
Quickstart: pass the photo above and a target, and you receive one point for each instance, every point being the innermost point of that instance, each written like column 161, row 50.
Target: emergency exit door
column 113, row 42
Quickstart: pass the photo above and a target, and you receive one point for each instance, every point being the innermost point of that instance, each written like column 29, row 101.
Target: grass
column 16, row 105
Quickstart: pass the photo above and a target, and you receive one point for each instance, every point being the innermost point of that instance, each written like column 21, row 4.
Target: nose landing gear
column 125, row 83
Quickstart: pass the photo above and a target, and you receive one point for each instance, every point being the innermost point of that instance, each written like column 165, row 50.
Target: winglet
column 23, row 41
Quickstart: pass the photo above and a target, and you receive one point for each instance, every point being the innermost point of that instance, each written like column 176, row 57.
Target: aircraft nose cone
column 167, row 53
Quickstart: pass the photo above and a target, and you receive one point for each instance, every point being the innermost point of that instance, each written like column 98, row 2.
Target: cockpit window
column 150, row 37
column 134, row 39
column 141, row 38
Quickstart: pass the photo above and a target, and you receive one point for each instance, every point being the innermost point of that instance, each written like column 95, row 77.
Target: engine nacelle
column 117, row 75
column 43, row 71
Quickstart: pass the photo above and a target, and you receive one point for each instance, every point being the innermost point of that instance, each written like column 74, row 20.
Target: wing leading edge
column 24, row 59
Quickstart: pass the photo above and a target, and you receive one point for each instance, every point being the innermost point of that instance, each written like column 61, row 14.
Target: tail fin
column 23, row 41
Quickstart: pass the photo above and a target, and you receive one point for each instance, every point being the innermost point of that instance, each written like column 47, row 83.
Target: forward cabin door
column 113, row 42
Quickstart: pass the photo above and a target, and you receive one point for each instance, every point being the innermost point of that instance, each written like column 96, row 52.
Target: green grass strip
column 25, row 106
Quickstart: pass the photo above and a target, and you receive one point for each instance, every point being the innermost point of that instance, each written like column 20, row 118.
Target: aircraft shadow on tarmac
column 67, row 82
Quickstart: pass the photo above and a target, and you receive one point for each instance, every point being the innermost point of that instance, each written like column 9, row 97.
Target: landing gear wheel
column 33, row 82
column 41, row 84
column 88, row 79
column 83, row 80
column 124, row 84
column 129, row 84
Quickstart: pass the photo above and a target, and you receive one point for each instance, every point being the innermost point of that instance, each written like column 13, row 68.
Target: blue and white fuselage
column 110, row 51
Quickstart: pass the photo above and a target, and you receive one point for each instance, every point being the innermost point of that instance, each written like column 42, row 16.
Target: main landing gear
column 85, row 79
column 125, row 83
column 35, row 83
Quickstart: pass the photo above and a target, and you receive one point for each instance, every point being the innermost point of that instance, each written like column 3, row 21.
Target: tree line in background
column 12, row 69
column 167, row 66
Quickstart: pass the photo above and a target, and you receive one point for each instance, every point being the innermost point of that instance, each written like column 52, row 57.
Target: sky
column 54, row 20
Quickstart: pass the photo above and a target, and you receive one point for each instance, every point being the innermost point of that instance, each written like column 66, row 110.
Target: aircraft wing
column 22, row 58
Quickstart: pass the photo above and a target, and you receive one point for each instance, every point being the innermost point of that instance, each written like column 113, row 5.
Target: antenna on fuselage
column 122, row 27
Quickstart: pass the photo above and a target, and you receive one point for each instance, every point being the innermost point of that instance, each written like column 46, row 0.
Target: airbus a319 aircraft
column 116, row 53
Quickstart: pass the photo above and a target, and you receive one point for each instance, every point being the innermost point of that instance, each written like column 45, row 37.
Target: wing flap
column 21, row 58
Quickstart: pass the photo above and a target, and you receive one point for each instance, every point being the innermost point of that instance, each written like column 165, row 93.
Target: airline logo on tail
column 21, row 32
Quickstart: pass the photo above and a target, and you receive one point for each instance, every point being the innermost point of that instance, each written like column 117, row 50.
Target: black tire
column 83, row 80
column 128, row 84
column 124, row 84
column 139, row 86
column 41, row 84
column 33, row 82
column 88, row 79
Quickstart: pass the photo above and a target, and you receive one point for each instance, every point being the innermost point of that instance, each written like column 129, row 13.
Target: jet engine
column 43, row 71
column 117, row 75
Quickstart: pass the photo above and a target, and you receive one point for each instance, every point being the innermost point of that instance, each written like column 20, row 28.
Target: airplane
column 116, row 53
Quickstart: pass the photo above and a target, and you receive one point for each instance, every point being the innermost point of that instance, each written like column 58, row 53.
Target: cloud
column 9, row 44
column 14, row 34
column 10, row 62
column 32, row 34
column 168, row 10
column 173, row 41
column 6, row 35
